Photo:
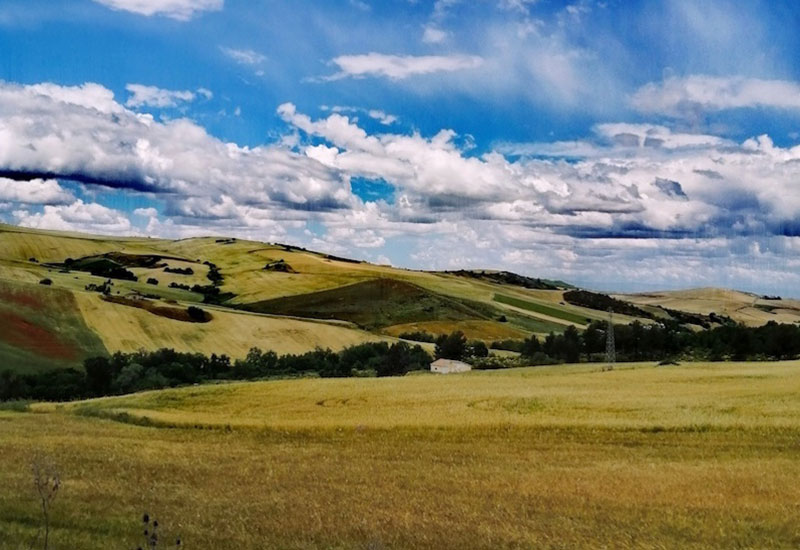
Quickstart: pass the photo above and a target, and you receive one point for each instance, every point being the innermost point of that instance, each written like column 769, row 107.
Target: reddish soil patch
column 21, row 333
column 24, row 299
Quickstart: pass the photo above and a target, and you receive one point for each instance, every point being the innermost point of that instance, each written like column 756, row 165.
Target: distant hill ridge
column 289, row 299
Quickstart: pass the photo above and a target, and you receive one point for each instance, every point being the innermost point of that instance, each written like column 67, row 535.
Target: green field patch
column 543, row 309
column 533, row 324
column 16, row 405
column 377, row 303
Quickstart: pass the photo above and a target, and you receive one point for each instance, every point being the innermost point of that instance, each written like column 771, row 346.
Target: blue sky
column 618, row 145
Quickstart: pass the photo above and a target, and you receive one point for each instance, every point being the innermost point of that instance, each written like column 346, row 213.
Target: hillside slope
column 42, row 328
column 377, row 303
column 289, row 299
column 248, row 280
column 742, row 307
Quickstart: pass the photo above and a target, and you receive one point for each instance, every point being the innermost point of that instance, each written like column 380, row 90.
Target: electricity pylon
column 611, row 350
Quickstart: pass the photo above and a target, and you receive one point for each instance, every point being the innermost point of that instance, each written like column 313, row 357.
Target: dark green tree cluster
column 179, row 270
column 105, row 268
column 455, row 346
column 737, row 342
column 373, row 357
column 145, row 370
column 214, row 274
column 659, row 341
column 603, row 302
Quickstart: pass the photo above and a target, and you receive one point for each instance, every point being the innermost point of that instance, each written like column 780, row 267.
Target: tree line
column 122, row 373
column 662, row 341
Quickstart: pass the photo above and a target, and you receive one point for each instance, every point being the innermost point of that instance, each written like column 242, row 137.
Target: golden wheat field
column 230, row 332
column 690, row 456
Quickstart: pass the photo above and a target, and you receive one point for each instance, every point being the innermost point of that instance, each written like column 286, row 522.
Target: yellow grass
column 17, row 243
column 129, row 329
column 697, row 456
column 739, row 306
column 164, row 278
column 637, row 396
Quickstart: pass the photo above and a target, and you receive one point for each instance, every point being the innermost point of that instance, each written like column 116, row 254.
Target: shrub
column 418, row 336
column 477, row 348
column 508, row 345
column 17, row 405
column 179, row 270
column 152, row 281
column 494, row 362
column 46, row 282
column 540, row 358
column 104, row 288
column 196, row 313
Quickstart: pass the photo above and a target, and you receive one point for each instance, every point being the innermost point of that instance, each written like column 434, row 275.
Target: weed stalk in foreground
column 150, row 533
column 47, row 481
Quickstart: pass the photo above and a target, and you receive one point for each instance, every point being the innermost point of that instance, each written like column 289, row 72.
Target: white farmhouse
column 446, row 366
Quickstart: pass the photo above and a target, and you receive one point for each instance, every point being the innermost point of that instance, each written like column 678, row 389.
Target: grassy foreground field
column 693, row 456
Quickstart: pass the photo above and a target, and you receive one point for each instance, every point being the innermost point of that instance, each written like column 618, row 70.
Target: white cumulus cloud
column 36, row 191
column 695, row 94
column 116, row 147
column 636, row 195
column 398, row 67
column 148, row 212
column 152, row 96
column 181, row 10
column 78, row 216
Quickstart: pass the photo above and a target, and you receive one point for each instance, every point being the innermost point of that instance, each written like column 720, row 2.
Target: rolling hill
column 42, row 328
column 108, row 294
column 378, row 303
column 742, row 307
